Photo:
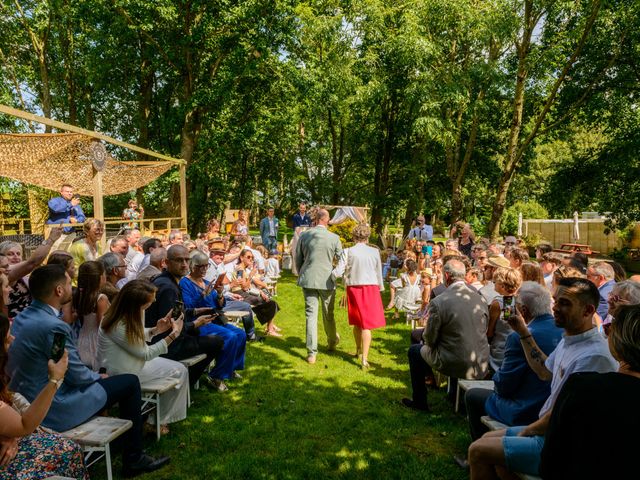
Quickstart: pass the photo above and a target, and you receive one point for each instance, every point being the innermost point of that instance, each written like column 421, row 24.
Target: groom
column 315, row 253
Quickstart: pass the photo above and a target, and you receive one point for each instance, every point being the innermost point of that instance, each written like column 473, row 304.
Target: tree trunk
column 146, row 95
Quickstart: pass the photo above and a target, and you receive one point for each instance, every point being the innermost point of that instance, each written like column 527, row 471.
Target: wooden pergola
column 98, row 167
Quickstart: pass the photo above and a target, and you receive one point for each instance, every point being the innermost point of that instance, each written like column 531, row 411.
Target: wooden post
column 98, row 204
column 183, row 195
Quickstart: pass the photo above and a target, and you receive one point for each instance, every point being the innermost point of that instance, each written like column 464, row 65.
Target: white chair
column 151, row 393
column 190, row 362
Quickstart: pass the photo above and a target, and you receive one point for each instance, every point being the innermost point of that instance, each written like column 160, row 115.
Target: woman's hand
column 203, row 320
column 164, row 323
column 8, row 450
column 57, row 370
column 177, row 325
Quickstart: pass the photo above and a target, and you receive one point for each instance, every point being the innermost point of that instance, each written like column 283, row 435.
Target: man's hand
column 73, row 220
column 164, row 323
column 203, row 320
column 8, row 450
column 517, row 323
column 235, row 296
column 55, row 234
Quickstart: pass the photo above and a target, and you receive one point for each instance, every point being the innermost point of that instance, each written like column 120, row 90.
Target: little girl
column 406, row 291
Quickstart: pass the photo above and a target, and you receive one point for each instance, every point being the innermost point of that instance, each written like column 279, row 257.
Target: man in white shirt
column 582, row 349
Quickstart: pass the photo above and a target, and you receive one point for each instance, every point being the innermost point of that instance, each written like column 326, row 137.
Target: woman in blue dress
column 197, row 293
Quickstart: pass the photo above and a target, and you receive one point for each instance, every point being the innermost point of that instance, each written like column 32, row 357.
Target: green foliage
column 344, row 230
column 528, row 209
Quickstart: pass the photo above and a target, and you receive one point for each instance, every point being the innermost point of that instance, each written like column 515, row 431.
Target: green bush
column 344, row 231
column 532, row 209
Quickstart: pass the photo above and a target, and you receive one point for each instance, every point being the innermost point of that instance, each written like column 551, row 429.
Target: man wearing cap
column 421, row 231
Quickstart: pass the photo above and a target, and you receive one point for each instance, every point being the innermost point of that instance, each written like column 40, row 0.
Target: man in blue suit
column 82, row 393
column 269, row 231
column 301, row 219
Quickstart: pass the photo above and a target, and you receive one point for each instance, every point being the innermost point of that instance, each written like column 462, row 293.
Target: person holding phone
column 25, row 452
column 66, row 208
column 122, row 347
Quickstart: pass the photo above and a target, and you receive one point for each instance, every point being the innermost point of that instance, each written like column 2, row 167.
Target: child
column 405, row 291
column 272, row 265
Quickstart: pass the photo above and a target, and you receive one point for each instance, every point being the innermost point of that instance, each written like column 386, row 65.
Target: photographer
column 66, row 208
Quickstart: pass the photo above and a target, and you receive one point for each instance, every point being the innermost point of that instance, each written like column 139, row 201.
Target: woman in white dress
column 406, row 291
column 122, row 347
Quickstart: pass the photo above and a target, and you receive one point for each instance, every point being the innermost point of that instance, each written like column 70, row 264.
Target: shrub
column 344, row 231
column 532, row 209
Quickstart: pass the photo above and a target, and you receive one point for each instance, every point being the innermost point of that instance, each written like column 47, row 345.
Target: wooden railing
column 18, row 224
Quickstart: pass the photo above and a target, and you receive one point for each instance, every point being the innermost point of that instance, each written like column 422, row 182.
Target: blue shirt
column 301, row 221
column 422, row 233
column 60, row 210
column 518, row 392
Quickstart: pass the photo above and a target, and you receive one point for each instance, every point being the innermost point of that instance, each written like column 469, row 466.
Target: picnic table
column 570, row 248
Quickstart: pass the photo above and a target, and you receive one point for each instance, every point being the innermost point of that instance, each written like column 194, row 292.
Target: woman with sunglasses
column 622, row 293
column 599, row 410
column 246, row 282
column 200, row 293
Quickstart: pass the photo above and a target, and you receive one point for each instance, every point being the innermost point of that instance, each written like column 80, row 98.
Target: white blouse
column 360, row 265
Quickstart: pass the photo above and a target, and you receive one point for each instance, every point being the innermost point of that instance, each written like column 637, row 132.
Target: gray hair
column 196, row 257
column 174, row 234
column 157, row 256
column 361, row 232
column 8, row 245
column 604, row 269
column 110, row 261
column 535, row 297
column 628, row 290
column 455, row 269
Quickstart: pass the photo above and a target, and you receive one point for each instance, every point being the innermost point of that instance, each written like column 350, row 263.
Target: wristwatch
column 57, row 383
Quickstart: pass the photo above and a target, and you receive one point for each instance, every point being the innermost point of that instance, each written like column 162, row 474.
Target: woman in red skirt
column 362, row 270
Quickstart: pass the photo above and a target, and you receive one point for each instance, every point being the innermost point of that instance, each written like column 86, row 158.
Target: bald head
column 322, row 217
column 177, row 251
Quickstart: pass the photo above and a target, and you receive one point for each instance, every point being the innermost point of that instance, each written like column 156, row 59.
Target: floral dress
column 43, row 455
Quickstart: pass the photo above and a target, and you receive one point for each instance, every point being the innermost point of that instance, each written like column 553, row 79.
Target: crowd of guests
column 127, row 317
column 559, row 336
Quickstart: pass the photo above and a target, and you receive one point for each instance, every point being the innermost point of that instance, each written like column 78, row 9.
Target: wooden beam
column 90, row 133
column 183, row 195
column 98, row 204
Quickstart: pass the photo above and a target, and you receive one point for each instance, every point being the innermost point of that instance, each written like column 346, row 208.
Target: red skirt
column 365, row 307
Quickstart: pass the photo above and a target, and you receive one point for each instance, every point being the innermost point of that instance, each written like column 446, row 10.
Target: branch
column 554, row 90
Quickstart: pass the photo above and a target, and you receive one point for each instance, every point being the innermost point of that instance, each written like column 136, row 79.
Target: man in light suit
column 455, row 339
column 315, row 253
column 82, row 393
column 269, row 231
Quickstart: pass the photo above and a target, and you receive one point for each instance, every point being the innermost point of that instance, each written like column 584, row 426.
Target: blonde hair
column 510, row 278
column 361, row 232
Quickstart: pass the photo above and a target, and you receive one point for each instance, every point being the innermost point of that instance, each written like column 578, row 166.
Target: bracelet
column 525, row 337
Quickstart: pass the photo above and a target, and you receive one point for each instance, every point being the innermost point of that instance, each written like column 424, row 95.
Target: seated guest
column 455, row 341
column 488, row 291
column 272, row 266
column 123, row 347
column 518, row 393
column 148, row 246
column 582, row 349
column 90, row 306
column 65, row 208
column 60, row 257
column 507, row 282
column 622, row 293
column 134, row 255
column 198, row 293
column 28, row 453
column 542, row 249
column 576, row 426
column 240, row 227
column 258, row 259
column 549, row 263
column 474, row 278
column 531, row 272
column 247, row 284
column 603, row 277
column 119, row 245
column 189, row 343
column 564, row 271
column 82, row 393
column 233, row 302
column 176, row 237
column 5, row 289
column 157, row 259
column 114, row 269
column 17, row 269
column 517, row 257
column 89, row 247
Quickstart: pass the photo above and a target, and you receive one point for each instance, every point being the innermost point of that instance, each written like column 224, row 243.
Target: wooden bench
column 151, row 392
column 492, row 425
column 235, row 316
column 95, row 437
column 190, row 362
column 464, row 385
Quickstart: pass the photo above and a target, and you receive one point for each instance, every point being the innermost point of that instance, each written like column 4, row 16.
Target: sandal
column 273, row 333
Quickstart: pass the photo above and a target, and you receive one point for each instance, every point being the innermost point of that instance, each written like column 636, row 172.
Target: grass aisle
column 288, row 420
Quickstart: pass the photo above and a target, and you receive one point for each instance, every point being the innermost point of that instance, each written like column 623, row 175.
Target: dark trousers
column 474, row 400
column 416, row 335
column 419, row 370
column 125, row 391
column 186, row 346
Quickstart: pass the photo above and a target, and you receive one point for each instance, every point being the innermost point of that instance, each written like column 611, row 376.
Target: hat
column 499, row 261
column 510, row 239
column 216, row 246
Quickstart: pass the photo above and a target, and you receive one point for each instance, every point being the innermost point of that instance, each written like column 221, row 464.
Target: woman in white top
column 406, row 291
column 122, row 346
column 362, row 269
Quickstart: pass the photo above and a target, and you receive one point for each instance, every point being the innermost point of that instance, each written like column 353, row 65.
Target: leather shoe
column 332, row 346
column 311, row 359
column 144, row 464
column 407, row 402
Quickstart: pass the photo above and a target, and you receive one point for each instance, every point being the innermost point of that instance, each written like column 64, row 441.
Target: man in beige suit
column 315, row 253
column 455, row 339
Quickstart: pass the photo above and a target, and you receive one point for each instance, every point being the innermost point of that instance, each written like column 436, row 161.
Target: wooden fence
column 558, row 232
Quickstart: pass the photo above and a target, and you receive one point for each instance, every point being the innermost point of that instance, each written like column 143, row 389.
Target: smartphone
column 178, row 308
column 425, row 249
column 508, row 306
column 239, row 274
column 57, row 349
column 430, row 250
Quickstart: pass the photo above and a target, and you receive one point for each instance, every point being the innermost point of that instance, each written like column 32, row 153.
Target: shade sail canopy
column 50, row 160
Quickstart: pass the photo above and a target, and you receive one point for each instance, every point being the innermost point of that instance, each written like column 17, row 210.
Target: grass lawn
column 287, row 420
